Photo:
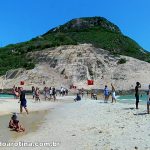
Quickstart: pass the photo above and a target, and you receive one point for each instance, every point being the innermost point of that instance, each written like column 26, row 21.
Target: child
column 15, row 125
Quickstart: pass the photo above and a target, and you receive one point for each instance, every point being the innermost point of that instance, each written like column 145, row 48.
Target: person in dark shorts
column 138, row 85
column 106, row 94
column 23, row 101
column 78, row 98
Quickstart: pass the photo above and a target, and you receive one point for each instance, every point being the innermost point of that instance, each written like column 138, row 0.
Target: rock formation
column 75, row 64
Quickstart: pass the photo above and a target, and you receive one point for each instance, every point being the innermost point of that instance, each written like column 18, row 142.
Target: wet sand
column 31, row 123
column 37, row 113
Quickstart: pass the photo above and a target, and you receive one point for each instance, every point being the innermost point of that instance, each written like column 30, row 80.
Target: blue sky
column 21, row 20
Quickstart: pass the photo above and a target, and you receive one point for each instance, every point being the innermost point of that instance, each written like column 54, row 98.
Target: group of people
column 20, row 93
column 14, row 122
column 93, row 93
column 48, row 93
column 107, row 93
column 63, row 91
column 51, row 93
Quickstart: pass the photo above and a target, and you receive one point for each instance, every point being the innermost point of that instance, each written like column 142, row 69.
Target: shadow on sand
column 131, row 108
column 140, row 114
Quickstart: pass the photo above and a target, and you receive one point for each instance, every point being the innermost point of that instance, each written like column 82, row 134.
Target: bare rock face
column 74, row 64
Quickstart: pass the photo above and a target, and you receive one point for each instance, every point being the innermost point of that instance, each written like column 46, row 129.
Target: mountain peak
column 79, row 24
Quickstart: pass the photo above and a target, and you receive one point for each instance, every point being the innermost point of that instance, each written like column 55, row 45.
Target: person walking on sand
column 50, row 92
column 138, row 85
column 37, row 94
column 87, row 93
column 33, row 92
column 23, row 101
column 113, row 94
column 106, row 94
column 148, row 99
column 82, row 92
column 61, row 91
column 54, row 93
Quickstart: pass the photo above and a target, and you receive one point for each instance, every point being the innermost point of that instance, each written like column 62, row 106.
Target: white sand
column 93, row 125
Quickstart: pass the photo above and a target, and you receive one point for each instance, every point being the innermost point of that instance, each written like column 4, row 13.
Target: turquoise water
column 6, row 96
column 131, row 98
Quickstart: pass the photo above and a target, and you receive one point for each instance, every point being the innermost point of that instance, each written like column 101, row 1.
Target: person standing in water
column 113, row 94
column 148, row 99
column 138, row 85
column 23, row 101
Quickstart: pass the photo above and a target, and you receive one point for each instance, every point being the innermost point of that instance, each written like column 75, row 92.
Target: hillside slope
column 74, row 64
column 95, row 30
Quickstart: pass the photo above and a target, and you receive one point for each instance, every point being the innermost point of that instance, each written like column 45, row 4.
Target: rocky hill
column 97, row 31
column 74, row 64
column 82, row 49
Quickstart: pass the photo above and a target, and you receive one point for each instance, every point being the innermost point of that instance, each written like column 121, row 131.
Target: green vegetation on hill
column 95, row 30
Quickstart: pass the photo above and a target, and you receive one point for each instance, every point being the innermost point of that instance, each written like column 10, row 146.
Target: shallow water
column 6, row 96
column 31, row 123
column 131, row 98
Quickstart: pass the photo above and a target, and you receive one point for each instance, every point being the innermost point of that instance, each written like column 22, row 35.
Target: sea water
column 5, row 96
column 131, row 98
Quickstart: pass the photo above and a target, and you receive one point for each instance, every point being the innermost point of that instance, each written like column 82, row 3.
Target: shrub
column 122, row 61
column 28, row 65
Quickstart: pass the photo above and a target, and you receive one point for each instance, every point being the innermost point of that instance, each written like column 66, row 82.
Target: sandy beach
column 90, row 125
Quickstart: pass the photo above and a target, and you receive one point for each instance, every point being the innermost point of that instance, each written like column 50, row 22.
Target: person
column 33, row 92
column 92, row 94
column 87, row 93
column 106, row 94
column 66, row 92
column 148, row 99
column 37, row 94
column 45, row 92
column 50, row 92
column 61, row 91
column 82, row 92
column 23, row 101
column 16, row 92
column 15, row 125
column 78, row 98
column 95, row 96
column 138, row 85
column 54, row 93
column 113, row 94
